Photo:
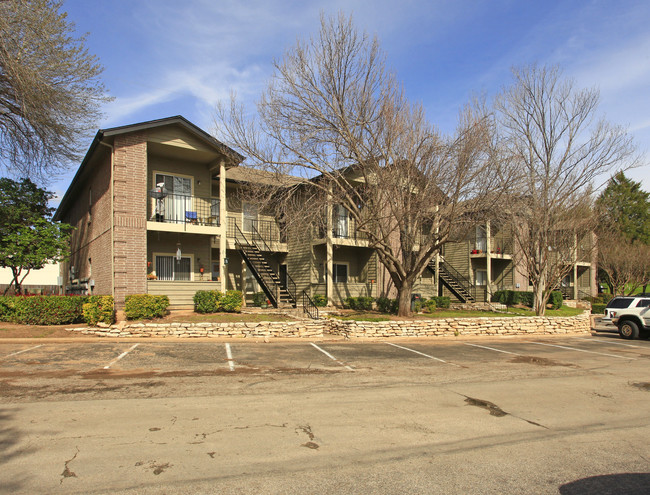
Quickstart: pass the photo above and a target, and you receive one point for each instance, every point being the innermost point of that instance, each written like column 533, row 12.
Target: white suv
column 631, row 314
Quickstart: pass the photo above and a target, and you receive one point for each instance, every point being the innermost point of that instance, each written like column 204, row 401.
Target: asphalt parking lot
column 561, row 414
column 167, row 358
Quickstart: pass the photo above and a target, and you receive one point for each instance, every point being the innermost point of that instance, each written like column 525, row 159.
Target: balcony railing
column 181, row 209
column 344, row 228
column 267, row 230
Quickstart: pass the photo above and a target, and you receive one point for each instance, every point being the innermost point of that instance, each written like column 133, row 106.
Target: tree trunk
column 17, row 285
column 540, row 300
column 404, row 299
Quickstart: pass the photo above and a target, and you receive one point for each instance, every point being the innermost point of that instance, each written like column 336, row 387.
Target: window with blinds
column 169, row 268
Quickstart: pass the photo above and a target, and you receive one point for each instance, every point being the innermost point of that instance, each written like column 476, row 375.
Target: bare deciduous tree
column 626, row 263
column 548, row 128
column 49, row 88
column 335, row 116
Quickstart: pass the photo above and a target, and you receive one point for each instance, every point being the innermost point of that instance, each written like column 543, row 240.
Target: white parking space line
column 582, row 350
column 423, row 354
column 20, row 352
column 231, row 362
column 332, row 357
column 610, row 341
column 120, row 356
column 493, row 349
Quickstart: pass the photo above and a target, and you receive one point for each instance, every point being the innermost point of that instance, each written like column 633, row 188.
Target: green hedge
column 430, row 305
column 360, row 303
column 259, row 299
column 207, row 301
column 43, row 310
column 386, row 305
column 442, row 301
column 556, row 299
column 213, row 301
column 145, row 306
column 99, row 309
column 7, row 308
column 232, row 301
column 319, row 300
column 526, row 298
column 598, row 308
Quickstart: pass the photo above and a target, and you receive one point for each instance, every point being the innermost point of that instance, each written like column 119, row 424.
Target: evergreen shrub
column 145, row 306
column 99, row 309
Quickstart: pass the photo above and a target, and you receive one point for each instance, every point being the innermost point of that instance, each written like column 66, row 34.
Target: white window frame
column 172, row 174
column 190, row 256
column 484, row 277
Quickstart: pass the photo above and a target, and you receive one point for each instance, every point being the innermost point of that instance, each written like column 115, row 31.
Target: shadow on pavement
column 619, row 484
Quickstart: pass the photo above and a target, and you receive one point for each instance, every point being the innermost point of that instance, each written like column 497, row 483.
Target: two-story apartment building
column 156, row 209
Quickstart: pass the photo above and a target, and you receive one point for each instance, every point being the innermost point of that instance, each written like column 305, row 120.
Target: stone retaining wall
column 306, row 328
column 449, row 327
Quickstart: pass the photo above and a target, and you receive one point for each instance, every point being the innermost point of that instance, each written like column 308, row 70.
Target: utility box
column 415, row 298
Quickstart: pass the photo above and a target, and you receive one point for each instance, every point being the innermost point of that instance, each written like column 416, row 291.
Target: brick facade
column 130, row 216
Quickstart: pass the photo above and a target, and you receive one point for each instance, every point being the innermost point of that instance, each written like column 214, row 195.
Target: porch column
column 488, row 259
column 329, row 253
column 575, row 268
column 243, row 281
column 223, row 270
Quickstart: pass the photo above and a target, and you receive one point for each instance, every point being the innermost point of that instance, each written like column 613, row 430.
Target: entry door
column 216, row 276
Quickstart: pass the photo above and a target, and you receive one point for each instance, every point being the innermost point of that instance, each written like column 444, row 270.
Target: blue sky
column 165, row 57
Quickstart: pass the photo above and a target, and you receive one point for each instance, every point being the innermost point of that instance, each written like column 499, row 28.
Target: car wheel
column 628, row 330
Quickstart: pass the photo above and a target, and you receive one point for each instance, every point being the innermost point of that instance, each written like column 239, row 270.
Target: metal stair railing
column 257, row 237
column 309, row 306
column 463, row 282
column 269, row 280
column 465, row 288
column 263, row 273
column 291, row 290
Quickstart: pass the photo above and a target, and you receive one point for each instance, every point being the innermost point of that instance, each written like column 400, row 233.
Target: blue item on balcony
column 191, row 216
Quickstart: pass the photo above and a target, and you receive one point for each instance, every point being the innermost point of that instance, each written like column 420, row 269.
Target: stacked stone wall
column 448, row 327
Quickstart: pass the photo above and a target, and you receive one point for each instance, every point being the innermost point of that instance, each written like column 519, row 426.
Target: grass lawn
column 450, row 313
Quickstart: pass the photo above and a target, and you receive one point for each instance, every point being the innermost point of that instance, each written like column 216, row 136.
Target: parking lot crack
column 306, row 429
column 495, row 410
column 67, row 473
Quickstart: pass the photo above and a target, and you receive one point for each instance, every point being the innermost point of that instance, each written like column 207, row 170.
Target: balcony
column 344, row 232
column 265, row 230
column 499, row 246
column 181, row 213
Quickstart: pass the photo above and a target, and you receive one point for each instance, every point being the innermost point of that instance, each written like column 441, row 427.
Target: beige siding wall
column 181, row 294
column 301, row 260
column 178, row 137
column 196, row 247
column 503, row 274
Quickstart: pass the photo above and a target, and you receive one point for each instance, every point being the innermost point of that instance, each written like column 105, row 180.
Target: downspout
column 112, row 218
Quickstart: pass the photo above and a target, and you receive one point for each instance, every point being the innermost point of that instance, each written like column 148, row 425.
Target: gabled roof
column 179, row 120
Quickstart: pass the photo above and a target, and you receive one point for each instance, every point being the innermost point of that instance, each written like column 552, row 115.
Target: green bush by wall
column 145, row 306
column 386, row 305
column 360, row 303
column 99, row 309
column 43, row 310
column 442, row 301
column 213, row 301
column 319, row 300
